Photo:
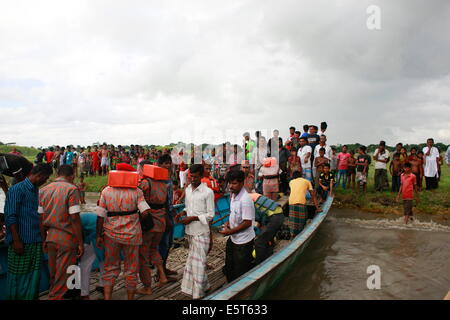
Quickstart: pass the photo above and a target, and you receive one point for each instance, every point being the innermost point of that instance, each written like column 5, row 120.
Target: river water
column 414, row 260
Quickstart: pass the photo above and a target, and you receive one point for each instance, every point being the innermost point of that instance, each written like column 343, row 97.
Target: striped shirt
column 21, row 209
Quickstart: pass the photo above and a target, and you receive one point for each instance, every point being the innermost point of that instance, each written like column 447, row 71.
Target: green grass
column 95, row 184
column 435, row 202
column 27, row 152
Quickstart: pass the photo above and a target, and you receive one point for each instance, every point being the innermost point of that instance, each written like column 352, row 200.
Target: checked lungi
column 24, row 272
column 307, row 174
column 195, row 280
column 297, row 218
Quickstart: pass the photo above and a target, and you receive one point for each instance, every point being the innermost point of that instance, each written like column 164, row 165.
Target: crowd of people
column 136, row 224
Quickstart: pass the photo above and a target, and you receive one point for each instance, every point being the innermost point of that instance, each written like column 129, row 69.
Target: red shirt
column 407, row 182
column 94, row 156
column 342, row 157
column 49, row 156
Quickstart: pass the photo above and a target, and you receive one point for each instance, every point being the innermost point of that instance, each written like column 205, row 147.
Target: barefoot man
column 199, row 212
column 119, row 229
column 157, row 197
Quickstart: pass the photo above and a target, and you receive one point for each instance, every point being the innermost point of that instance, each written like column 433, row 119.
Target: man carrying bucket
column 119, row 227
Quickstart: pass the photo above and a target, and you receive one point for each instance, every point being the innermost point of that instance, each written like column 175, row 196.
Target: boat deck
column 176, row 261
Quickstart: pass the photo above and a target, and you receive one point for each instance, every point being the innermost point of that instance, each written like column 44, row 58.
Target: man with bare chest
column 395, row 169
column 104, row 154
column 416, row 167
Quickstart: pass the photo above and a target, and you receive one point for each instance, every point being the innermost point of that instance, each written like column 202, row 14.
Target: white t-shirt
column 242, row 208
column 302, row 151
column 384, row 156
column 328, row 151
column 430, row 168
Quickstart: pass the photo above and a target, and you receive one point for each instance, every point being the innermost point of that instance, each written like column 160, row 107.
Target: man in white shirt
column 431, row 157
column 239, row 248
column 304, row 152
column 381, row 157
column 323, row 144
column 199, row 211
column 328, row 151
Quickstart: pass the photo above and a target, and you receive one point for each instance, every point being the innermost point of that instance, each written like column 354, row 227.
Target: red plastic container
column 123, row 179
column 155, row 172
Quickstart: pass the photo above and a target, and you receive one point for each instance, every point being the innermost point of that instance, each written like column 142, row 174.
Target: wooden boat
column 259, row 280
column 252, row 285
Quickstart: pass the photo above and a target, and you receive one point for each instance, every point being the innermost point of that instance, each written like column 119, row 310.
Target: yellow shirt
column 299, row 187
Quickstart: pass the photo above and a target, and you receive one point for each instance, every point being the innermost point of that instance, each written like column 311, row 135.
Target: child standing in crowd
column 296, row 140
column 421, row 155
column 114, row 160
column 326, row 182
column 395, row 169
column 407, row 189
column 95, row 161
column 81, row 162
column 82, row 188
column 416, row 167
column 342, row 166
column 351, row 169
column 317, row 176
column 75, row 161
column 362, row 164
column 294, row 163
column 321, row 159
column 403, row 156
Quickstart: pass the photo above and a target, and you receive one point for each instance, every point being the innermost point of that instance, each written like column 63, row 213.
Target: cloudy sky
column 155, row 72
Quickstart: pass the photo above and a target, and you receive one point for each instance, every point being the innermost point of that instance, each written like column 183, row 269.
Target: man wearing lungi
column 24, row 234
column 119, row 230
column 156, row 194
column 199, row 211
column 59, row 202
column 297, row 202
column 239, row 247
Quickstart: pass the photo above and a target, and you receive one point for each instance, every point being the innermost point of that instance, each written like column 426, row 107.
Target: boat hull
column 258, row 281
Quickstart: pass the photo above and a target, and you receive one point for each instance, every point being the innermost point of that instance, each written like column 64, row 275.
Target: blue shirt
column 89, row 226
column 21, row 209
column 313, row 140
column 69, row 157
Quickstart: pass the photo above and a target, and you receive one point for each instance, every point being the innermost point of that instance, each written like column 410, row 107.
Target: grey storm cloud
column 155, row 72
